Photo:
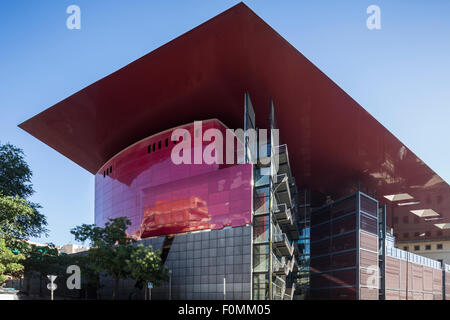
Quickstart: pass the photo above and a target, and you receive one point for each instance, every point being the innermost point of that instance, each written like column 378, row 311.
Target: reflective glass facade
column 160, row 197
column 344, row 249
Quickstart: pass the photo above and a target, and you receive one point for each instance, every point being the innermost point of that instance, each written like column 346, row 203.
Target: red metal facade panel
column 160, row 197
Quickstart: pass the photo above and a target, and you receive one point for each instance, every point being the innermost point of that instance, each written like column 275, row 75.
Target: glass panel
column 304, row 262
column 261, row 229
column 343, row 278
column 262, row 200
column 320, row 280
column 320, row 264
column 368, row 223
column 262, row 176
column 344, row 225
column 368, row 205
column 344, row 260
column 343, row 207
column 261, row 286
column 343, row 293
column 305, row 233
column 320, row 216
column 343, row 243
column 261, row 258
column 321, row 247
column 322, row 231
column 303, row 246
column 261, row 205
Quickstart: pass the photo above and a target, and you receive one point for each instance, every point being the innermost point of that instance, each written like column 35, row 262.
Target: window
column 261, row 229
column 395, row 220
column 406, row 248
column 262, row 176
column 368, row 223
column 406, row 235
column 261, row 200
column 104, row 174
column 428, row 247
column 154, row 147
column 167, row 142
column 107, row 171
column 439, row 246
column 159, row 144
column 149, row 149
column 439, row 233
column 416, row 234
column 405, row 219
column 110, row 169
column 416, row 248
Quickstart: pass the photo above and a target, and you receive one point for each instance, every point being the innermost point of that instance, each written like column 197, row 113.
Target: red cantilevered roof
column 334, row 144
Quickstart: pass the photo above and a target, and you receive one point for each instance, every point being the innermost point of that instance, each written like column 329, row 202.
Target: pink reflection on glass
column 161, row 198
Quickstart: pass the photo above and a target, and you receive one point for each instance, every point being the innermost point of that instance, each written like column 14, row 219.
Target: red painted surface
column 334, row 144
column 160, row 197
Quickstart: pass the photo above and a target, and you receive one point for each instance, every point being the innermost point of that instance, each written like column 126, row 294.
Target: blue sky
column 400, row 74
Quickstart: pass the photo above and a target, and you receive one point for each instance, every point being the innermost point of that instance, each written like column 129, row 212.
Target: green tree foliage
column 9, row 262
column 19, row 218
column 111, row 247
column 15, row 175
column 145, row 265
column 42, row 260
column 90, row 276
column 113, row 252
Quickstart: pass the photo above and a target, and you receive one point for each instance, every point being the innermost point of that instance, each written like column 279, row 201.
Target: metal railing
column 412, row 257
column 446, row 267
column 289, row 292
column 278, row 237
column 283, row 208
column 279, row 287
column 282, row 265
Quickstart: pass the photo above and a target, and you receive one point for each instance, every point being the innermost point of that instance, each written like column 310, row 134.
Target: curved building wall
column 160, row 197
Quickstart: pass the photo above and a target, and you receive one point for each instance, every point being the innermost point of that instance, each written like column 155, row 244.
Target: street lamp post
column 224, row 288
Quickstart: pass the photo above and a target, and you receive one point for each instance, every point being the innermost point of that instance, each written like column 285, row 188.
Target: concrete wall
column 434, row 253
